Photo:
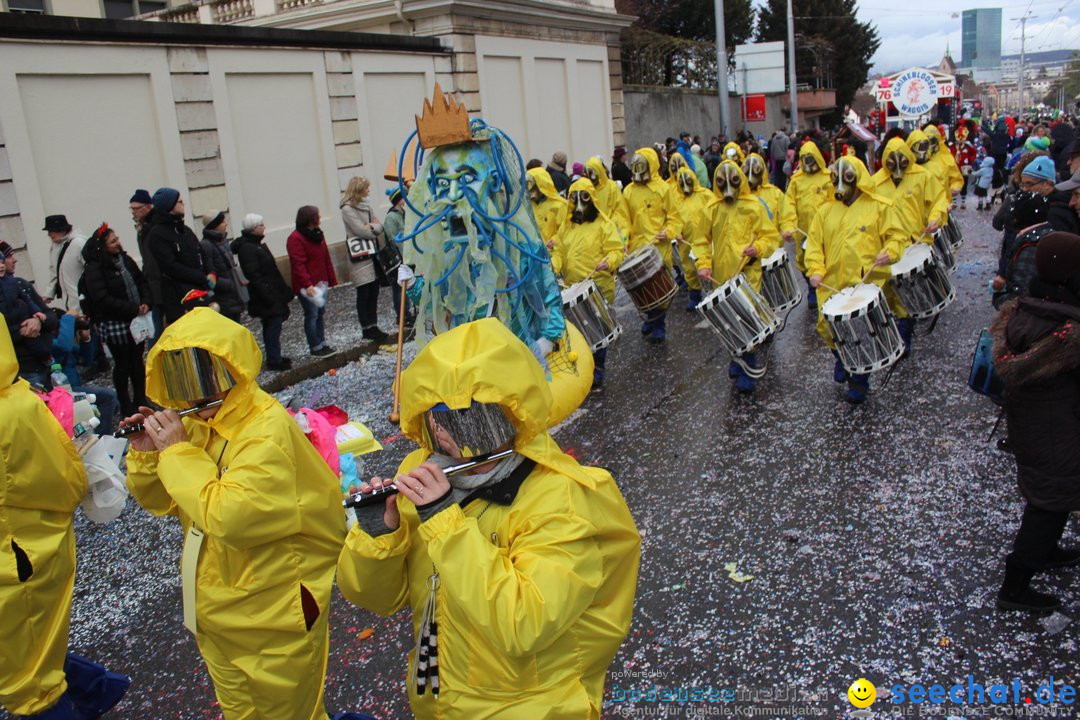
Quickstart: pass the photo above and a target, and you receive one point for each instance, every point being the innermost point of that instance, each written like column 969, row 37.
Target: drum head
column 851, row 301
column 776, row 258
column 578, row 292
column 915, row 256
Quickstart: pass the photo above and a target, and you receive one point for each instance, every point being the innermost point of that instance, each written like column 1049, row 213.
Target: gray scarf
column 464, row 484
column 129, row 282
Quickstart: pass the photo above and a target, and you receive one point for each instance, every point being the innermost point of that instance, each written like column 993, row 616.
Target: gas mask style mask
column 639, row 169
column 844, row 178
column 935, row 145
column 675, row 164
column 728, row 182
column 754, row 170
column 810, row 165
column 897, row 164
column 594, row 177
column 921, row 150
column 193, row 375
column 584, row 210
column 534, row 190
column 479, row 429
column 686, row 182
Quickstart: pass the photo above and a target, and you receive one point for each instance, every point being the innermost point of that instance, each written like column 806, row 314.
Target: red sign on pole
column 753, row 108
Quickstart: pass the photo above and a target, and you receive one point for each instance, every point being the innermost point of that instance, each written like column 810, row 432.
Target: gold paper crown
column 444, row 122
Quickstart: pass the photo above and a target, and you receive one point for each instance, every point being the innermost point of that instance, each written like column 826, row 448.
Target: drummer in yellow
column 847, row 240
column 734, row 153
column 589, row 246
column 954, row 179
column 695, row 212
column 920, row 206
column 608, row 196
column 654, row 220
column 919, row 144
column 548, row 207
column 773, row 197
column 738, row 236
column 808, row 190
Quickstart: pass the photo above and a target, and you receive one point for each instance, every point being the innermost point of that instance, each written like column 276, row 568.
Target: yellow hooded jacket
column 43, row 482
column 935, row 168
column 535, row 596
column 844, row 241
column 609, row 198
column 782, row 214
column 954, row 179
column 805, row 194
column 652, row 208
column 551, row 212
column 730, row 229
column 579, row 248
column 918, row 199
column 270, row 510
column 695, row 211
column 734, row 152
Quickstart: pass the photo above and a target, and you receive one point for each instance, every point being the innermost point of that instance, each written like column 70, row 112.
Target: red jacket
column 310, row 262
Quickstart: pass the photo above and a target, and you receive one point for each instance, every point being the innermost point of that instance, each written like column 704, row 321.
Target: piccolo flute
column 362, row 499
column 139, row 427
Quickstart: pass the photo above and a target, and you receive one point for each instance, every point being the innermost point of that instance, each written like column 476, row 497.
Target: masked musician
column 920, row 207
column 808, row 190
column 42, row 481
column 695, row 213
column 733, row 152
column 589, row 246
column 738, row 235
column 654, row 220
column 939, row 153
column 775, row 201
column 549, row 208
column 520, row 573
column 847, row 240
column 609, row 199
column 261, row 512
column 919, row 144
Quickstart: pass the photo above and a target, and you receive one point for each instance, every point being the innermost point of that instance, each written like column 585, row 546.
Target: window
column 34, row 7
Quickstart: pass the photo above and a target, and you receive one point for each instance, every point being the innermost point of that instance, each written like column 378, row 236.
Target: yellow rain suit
column 579, row 248
column 652, row 208
column 608, row 197
column 270, row 510
column 551, row 211
column 731, row 227
column 734, row 152
column 534, row 596
column 844, row 241
column 43, row 482
column 954, row 179
column 937, row 171
column 782, row 214
column 805, row 194
column 918, row 198
column 695, row 211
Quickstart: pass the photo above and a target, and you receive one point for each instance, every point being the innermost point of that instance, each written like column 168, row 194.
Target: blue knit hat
column 1041, row 168
column 165, row 199
column 142, row 197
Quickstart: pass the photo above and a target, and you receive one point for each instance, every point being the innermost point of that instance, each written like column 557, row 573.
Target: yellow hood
column 483, row 361
column 810, row 148
column 230, row 341
column 916, row 136
column 688, row 173
column 544, row 183
column 896, row 145
column 598, row 168
column 656, row 181
column 931, row 131
column 765, row 176
column 863, row 180
column 744, row 186
column 583, row 185
column 9, row 364
column 739, row 156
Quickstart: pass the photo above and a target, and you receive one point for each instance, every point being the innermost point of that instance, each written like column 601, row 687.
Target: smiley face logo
column 862, row 693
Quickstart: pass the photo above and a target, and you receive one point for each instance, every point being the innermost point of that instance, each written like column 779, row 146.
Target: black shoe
column 323, row 351
column 285, row 364
column 1030, row 600
column 1063, row 557
column 376, row 334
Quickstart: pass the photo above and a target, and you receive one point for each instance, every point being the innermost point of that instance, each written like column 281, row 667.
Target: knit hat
column 1057, row 257
column 1029, row 208
column 1070, row 184
column 5, row 250
column 620, row 151
column 141, row 196
column 1041, row 168
column 579, row 169
column 558, row 160
column 164, row 199
column 212, row 219
column 252, row 221
column 394, row 194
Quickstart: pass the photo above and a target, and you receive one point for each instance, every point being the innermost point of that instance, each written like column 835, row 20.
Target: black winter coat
column 19, row 301
column 105, row 289
column 218, row 259
column 179, row 259
column 1037, row 356
column 270, row 294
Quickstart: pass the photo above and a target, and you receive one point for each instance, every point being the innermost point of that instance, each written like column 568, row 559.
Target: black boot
column 1063, row 557
column 1016, row 593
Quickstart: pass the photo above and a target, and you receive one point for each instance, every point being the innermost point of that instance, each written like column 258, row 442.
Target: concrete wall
column 653, row 114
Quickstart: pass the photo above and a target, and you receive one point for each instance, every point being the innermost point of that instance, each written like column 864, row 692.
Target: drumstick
column 828, row 287
column 395, row 416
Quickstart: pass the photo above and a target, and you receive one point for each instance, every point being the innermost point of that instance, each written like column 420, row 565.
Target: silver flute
column 362, row 499
column 139, row 427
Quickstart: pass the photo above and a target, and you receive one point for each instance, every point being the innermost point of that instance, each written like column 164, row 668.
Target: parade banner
column 914, row 92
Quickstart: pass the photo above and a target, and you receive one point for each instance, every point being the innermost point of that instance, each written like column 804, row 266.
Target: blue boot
column 646, row 327
column 858, row 387
column 658, row 334
column 745, row 384
column 733, row 370
column 93, row 689
column 693, row 300
column 811, row 296
column 905, row 328
column 839, row 374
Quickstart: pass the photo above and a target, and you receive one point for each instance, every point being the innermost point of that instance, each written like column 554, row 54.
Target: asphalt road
column 875, row 535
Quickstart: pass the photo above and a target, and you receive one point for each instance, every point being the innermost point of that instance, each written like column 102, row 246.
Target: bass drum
column 571, row 366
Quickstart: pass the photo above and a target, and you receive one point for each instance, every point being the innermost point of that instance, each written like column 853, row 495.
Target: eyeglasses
column 1026, row 184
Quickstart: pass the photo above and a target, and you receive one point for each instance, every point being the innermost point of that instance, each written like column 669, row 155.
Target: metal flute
column 138, row 427
column 362, row 499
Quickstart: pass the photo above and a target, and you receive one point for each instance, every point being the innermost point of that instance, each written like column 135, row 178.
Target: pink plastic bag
column 62, row 406
column 323, row 436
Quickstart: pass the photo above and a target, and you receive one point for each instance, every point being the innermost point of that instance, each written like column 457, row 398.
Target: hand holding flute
column 149, row 430
column 423, row 484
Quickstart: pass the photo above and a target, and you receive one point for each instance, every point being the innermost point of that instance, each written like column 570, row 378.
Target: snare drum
column 952, row 232
column 780, row 281
column 584, row 306
column 863, row 329
column 742, row 318
column 647, row 279
column 921, row 283
column 943, row 248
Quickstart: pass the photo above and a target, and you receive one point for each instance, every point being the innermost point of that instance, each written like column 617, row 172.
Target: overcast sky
column 914, row 32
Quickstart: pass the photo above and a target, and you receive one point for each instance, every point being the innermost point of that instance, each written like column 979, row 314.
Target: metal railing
column 657, row 60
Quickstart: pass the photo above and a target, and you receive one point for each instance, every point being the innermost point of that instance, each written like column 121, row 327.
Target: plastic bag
column 321, row 291
column 321, row 434
column 108, row 493
column 142, row 328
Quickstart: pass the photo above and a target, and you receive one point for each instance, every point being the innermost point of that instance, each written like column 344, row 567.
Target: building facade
column 981, row 38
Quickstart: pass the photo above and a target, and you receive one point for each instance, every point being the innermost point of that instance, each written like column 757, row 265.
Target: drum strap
column 765, row 205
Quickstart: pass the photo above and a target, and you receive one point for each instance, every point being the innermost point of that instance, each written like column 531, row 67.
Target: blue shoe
column 693, row 300
column 93, row 689
column 598, row 381
column 839, row 374
column 905, row 328
column 858, row 387
column 745, row 384
column 646, row 327
column 658, row 335
column 733, row 370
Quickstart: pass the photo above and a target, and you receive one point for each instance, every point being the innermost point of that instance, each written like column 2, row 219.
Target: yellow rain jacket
column 917, row 198
column 844, row 241
column 551, row 212
column 734, row 152
column 954, row 179
column 579, row 248
column 609, row 198
column 270, row 510
column 805, row 194
column 936, row 169
column 775, row 199
column 730, row 229
column 43, row 482
column 535, row 596
column 652, row 208
column 695, row 211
